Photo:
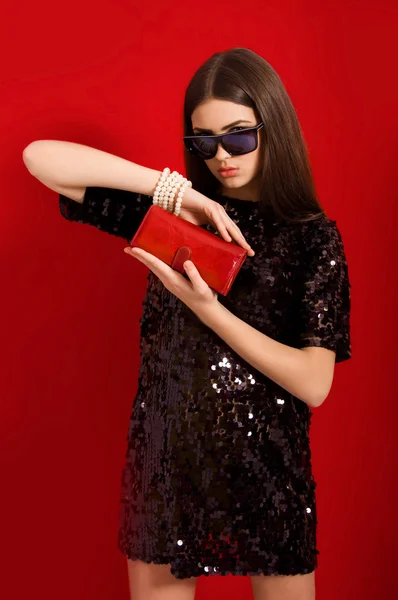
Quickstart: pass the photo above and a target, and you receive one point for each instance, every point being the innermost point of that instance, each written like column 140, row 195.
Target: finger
column 239, row 238
column 226, row 225
column 162, row 270
column 238, row 235
column 146, row 257
column 151, row 261
column 198, row 283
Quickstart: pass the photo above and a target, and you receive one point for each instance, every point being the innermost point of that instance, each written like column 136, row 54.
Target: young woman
column 218, row 475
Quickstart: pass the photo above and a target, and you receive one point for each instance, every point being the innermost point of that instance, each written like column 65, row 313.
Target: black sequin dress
column 218, row 475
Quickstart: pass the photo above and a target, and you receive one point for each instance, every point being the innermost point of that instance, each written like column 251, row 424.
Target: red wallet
column 174, row 240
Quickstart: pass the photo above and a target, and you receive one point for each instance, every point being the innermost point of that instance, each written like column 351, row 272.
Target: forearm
column 76, row 165
column 288, row 367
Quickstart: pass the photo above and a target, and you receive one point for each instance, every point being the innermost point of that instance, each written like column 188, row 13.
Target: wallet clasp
column 182, row 254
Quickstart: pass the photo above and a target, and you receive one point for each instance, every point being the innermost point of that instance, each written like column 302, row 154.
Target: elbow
column 28, row 157
column 33, row 155
column 28, row 151
column 316, row 402
column 316, row 398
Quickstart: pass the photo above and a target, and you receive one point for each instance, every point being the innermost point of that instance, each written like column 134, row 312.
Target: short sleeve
column 325, row 296
column 117, row 212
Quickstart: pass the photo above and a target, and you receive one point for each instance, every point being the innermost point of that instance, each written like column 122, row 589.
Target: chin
column 231, row 182
column 234, row 183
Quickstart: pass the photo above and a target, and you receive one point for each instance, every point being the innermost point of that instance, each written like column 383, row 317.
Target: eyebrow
column 222, row 128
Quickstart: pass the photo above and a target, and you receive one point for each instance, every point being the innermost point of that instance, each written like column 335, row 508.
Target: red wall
column 112, row 75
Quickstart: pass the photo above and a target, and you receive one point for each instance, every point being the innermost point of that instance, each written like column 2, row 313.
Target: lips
column 226, row 173
column 226, row 169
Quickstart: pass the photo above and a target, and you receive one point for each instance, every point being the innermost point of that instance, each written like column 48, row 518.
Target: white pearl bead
column 170, row 184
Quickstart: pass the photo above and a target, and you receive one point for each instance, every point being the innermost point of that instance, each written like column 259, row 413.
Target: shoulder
column 322, row 226
column 320, row 236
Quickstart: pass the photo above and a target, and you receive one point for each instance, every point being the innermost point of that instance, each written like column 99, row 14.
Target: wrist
column 209, row 314
column 193, row 200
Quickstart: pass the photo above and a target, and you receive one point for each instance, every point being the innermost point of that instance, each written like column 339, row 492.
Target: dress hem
column 199, row 572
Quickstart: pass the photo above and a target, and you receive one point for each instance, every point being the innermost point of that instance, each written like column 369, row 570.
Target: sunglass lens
column 204, row 148
column 241, row 142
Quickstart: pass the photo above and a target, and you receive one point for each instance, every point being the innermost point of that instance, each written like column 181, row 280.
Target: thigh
column 283, row 587
column 155, row 582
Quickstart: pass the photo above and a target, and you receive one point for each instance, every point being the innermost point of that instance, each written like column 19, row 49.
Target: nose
column 221, row 153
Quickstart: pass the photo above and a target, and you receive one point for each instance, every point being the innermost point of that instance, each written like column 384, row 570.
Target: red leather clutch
column 174, row 240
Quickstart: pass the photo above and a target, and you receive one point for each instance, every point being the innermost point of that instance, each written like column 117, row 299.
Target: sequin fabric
column 218, row 477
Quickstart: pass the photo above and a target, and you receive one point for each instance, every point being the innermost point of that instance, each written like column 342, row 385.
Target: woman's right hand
column 209, row 212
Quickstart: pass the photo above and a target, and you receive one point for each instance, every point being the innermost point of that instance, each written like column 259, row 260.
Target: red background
column 112, row 75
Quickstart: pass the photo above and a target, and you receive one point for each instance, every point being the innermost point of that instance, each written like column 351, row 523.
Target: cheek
column 257, row 160
column 252, row 161
column 212, row 165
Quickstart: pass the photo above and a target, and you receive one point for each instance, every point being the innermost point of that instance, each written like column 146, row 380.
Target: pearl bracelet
column 163, row 194
column 160, row 188
column 174, row 181
column 185, row 184
column 166, row 188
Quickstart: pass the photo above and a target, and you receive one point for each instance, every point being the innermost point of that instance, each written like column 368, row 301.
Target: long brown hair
column 242, row 76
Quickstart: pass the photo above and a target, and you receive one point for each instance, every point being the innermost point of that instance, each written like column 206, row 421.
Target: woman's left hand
column 196, row 294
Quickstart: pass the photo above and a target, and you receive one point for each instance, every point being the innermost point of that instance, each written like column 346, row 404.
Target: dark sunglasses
column 235, row 143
